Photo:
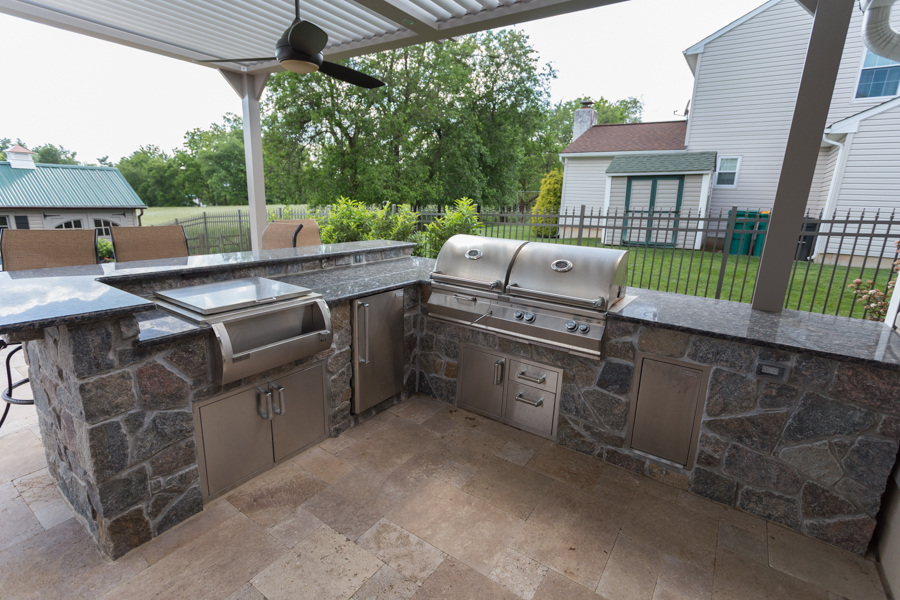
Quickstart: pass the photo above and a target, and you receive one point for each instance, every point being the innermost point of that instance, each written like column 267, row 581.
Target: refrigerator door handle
column 365, row 307
column 498, row 371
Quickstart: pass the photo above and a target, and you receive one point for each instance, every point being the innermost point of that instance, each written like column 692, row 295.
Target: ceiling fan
column 299, row 50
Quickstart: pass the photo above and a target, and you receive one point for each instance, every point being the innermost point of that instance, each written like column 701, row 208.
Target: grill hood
column 477, row 262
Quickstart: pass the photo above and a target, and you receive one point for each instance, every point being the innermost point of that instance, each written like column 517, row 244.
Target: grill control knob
column 529, row 317
column 519, row 314
column 584, row 328
column 571, row 325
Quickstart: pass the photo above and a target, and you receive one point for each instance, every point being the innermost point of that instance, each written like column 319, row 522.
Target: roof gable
column 851, row 124
column 630, row 137
column 65, row 186
column 683, row 162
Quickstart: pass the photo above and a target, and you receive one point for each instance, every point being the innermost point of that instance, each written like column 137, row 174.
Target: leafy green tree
column 155, row 177
column 547, row 203
column 214, row 164
column 49, row 154
column 105, row 162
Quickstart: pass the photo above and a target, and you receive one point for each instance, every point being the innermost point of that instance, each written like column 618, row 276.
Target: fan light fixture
column 300, row 66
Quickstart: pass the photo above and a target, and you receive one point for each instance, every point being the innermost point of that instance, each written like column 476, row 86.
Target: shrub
column 548, row 202
column 462, row 218
column 104, row 250
column 352, row 221
column 390, row 224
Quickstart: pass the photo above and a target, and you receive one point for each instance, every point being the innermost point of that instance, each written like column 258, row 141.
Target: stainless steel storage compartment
column 534, row 376
column 666, row 411
column 377, row 323
column 481, row 379
column 530, row 408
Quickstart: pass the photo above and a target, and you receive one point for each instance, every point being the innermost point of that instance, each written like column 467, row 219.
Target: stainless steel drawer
column 530, row 375
column 530, row 407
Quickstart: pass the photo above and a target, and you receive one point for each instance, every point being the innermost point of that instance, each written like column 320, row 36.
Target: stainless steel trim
column 513, row 289
column 540, row 379
column 281, row 409
column 484, row 285
column 224, row 296
column 523, row 399
column 498, row 372
column 266, row 395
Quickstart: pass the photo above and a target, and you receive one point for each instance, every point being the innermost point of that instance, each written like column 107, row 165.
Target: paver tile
column 412, row 557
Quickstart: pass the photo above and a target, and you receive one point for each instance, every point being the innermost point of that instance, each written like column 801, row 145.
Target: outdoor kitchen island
column 799, row 420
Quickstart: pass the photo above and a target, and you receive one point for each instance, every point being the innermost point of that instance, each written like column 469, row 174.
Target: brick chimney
column 585, row 118
column 20, row 158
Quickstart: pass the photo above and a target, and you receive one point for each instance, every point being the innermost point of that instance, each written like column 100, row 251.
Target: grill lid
column 574, row 275
column 475, row 261
column 213, row 298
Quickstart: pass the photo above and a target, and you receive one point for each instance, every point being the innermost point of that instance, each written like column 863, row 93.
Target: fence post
column 205, row 232
column 729, row 233
column 581, row 223
column 221, row 244
column 202, row 248
column 240, row 231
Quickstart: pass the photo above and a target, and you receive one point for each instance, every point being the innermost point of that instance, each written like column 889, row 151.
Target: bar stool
column 24, row 249
column 291, row 234
column 149, row 243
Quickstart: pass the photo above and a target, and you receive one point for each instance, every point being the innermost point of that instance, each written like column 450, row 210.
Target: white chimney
column 20, row 158
column 585, row 118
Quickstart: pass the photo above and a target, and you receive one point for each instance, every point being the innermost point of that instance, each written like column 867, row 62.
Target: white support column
column 704, row 208
column 250, row 88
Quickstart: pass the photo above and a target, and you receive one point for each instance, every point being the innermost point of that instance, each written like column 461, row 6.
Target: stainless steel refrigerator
column 377, row 323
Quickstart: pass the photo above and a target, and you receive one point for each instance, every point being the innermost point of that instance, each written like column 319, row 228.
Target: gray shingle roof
column 65, row 186
column 681, row 162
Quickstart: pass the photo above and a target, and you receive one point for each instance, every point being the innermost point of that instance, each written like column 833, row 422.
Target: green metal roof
column 675, row 162
column 65, row 186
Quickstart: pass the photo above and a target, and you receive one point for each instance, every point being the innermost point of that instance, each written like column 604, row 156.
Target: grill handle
column 524, row 400
column 485, row 285
column 280, row 410
column 498, row 372
column 264, row 404
column 514, row 290
column 538, row 380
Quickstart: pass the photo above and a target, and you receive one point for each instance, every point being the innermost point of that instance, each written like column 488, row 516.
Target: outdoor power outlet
column 773, row 371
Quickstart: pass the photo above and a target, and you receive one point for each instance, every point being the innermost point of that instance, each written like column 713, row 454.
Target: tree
column 49, row 154
column 155, row 177
column 105, row 162
column 214, row 164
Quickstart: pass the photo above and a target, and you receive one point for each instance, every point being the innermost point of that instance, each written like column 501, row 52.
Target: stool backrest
column 24, row 249
column 291, row 234
column 149, row 243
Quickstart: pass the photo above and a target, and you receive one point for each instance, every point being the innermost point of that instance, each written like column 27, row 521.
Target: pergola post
column 823, row 57
column 250, row 88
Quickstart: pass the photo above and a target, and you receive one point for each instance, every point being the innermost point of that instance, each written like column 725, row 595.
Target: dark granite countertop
column 348, row 283
column 842, row 338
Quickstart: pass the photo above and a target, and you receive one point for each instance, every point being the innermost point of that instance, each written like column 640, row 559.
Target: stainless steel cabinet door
column 664, row 416
column 481, row 381
column 303, row 421
column 237, row 442
column 377, row 349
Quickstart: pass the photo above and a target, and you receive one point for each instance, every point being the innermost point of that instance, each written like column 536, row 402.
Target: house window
column 4, row 222
column 878, row 77
column 103, row 227
column 73, row 224
column 727, row 173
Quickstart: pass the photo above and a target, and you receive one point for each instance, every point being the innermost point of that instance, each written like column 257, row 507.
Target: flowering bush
column 874, row 300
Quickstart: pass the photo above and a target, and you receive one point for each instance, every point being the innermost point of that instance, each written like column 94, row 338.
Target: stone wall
column 812, row 453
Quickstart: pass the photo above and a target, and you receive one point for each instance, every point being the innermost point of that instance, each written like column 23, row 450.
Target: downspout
column 140, row 215
column 877, row 33
column 831, row 201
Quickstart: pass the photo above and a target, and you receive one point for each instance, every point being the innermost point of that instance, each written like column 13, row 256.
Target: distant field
column 166, row 214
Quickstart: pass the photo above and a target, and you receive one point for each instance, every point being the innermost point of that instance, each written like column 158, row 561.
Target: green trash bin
column 760, row 238
column 741, row 242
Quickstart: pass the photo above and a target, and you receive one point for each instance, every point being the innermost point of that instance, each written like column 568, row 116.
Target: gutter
column 877, row 32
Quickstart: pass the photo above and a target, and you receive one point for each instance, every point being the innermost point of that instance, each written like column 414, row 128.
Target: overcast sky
column 101, row 99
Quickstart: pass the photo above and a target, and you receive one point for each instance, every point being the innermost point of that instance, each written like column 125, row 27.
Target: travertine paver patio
column 424, row 501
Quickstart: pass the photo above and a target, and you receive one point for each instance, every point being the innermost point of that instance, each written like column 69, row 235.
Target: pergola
column 215, row 29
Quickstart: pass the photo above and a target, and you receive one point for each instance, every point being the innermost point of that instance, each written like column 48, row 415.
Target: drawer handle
column 465, row 298
column 498, row 372
column 540, row 379
column 534, row 403
column 280, row 410
column 264, row 405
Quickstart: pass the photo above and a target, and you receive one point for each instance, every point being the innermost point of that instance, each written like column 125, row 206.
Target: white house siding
column 844, row 103
column 818, row 192
column 747, row 85
column 871, row 179
column 584, row 182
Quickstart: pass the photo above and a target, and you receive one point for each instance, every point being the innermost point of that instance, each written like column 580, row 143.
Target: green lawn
column 697, row 273
column 164, row 215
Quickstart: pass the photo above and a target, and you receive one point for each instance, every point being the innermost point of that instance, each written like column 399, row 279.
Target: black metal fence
column 685, row 252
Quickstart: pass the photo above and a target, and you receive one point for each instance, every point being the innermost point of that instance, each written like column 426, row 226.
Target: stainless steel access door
column 481, row 379
column 302, row 420
column 665, row 420
column 377, row 323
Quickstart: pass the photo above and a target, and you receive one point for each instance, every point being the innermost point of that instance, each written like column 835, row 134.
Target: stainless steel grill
column 259, row 323
column 553, row 294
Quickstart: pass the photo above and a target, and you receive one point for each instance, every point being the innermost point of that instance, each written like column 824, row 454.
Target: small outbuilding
column 40, row 196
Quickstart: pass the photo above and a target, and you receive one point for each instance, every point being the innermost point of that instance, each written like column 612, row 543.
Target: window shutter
column 22, row 222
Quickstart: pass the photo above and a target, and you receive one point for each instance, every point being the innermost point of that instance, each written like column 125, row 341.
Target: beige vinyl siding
column 584, row 182
column 871, row 179
column 844, row 103
column 747, row 85
column 818, row 191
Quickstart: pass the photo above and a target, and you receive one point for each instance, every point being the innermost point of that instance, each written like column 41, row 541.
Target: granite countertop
column 842, row 338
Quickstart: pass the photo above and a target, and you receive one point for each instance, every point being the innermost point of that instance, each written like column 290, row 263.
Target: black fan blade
column 307, row 38
column 349, row 75
column 237, row 60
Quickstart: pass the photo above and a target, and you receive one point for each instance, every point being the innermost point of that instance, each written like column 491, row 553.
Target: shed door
column 651, row 209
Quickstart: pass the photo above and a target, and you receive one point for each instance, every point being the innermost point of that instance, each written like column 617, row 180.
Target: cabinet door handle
column 365, row 307
column 280, row 410
column 264, row 404
column 525, row 400
column 538, row 380
column 498, row 372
